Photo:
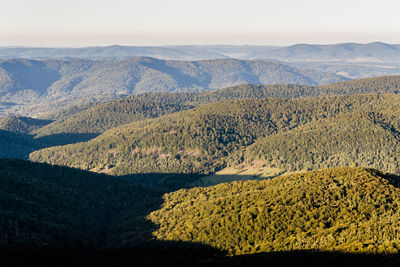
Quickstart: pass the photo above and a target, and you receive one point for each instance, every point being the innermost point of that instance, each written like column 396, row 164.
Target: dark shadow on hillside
column 65, row 138
column 168, row 182
column 127, row 240
column 164, row 182
column 19, row 146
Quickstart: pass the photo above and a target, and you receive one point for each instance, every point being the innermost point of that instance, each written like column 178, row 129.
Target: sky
column 76, row 23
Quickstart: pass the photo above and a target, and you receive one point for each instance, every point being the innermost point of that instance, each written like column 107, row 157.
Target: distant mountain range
column 111, row 52
column 347, row 52
column 353, row 60
column 31, row 86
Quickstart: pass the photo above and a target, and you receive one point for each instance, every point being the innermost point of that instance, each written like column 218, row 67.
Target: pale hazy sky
column 160, row 22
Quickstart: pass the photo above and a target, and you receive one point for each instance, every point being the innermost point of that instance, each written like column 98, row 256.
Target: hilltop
column 376, row 51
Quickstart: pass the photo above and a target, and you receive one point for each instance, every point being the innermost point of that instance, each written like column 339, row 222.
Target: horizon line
column 196, row 44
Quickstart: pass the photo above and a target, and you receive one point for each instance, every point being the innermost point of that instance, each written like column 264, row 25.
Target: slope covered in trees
column 355, row 139
column 104, row 116
column 110, row 114
column 340, row 209
column 213, row 136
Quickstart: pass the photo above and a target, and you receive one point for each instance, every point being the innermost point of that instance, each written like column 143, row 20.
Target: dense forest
column 354, row 130
column 356, row 139
column 108, row 115
column 104, row 116
column 339, row 209
column 48, row 212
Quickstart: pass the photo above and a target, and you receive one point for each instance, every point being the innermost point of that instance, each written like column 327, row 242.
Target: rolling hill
column 107, row 115
column 104, row 116
column 354, row 139
column 351, row 60
column 113, row 52
column 376, row 51
column 340, row 209
column 32, row 86
column 213, row 136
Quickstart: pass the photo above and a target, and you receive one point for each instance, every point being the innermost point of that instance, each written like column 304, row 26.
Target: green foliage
column 340, row 209
column 379, row 85
column 213, row 136
column 360, row 138
column 96, row 118
column 108, row 115
column 91, row 118
column 64, row 113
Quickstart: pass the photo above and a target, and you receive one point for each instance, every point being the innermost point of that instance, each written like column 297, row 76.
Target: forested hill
column 38, row 86
column 340, row 209
column 104, row 116
column 360, row 138
column 213, row 136
column 67, row 217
